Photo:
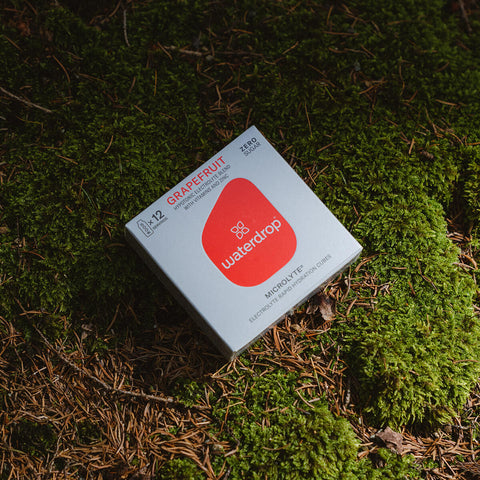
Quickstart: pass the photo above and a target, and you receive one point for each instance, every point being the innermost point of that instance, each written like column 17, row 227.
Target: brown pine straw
column 116, row 415
column 112, row 388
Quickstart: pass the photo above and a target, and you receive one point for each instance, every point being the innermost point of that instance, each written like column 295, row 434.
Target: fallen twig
column 106, row 386
column 465, row 16
column 24, row 100
column 125, row 26
column 173, row 48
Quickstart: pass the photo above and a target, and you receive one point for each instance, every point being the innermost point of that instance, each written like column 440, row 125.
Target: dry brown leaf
column 322, row 304
column 392, row 440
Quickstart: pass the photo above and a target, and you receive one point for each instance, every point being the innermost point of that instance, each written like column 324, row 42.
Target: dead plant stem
column 110, row 388
column 24, row 101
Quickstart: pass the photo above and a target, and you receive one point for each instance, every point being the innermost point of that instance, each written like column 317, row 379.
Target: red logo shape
column 245, row 236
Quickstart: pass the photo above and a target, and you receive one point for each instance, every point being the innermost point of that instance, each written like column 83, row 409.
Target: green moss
column 36, row 439
column 88, row 432
column 471, row 192
column 180, row 469
column 280, row 436
column 414, row 348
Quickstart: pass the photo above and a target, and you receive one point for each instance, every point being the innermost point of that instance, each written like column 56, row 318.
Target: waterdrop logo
column 239, row 230
column 262, row 242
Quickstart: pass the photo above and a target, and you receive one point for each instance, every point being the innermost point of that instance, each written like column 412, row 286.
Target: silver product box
column 241, row 242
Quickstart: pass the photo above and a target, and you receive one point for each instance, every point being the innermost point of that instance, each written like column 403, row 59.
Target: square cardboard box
column 241, row 242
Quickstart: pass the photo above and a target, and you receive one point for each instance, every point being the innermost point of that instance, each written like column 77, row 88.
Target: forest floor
column 106, row 105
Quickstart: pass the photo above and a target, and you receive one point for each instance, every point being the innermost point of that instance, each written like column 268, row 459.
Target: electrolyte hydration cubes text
column 241, row 242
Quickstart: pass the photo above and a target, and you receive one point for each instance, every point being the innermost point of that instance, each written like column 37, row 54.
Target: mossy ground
column 107, row 105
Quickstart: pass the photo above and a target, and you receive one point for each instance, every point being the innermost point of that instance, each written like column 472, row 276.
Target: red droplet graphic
column 245, row 236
